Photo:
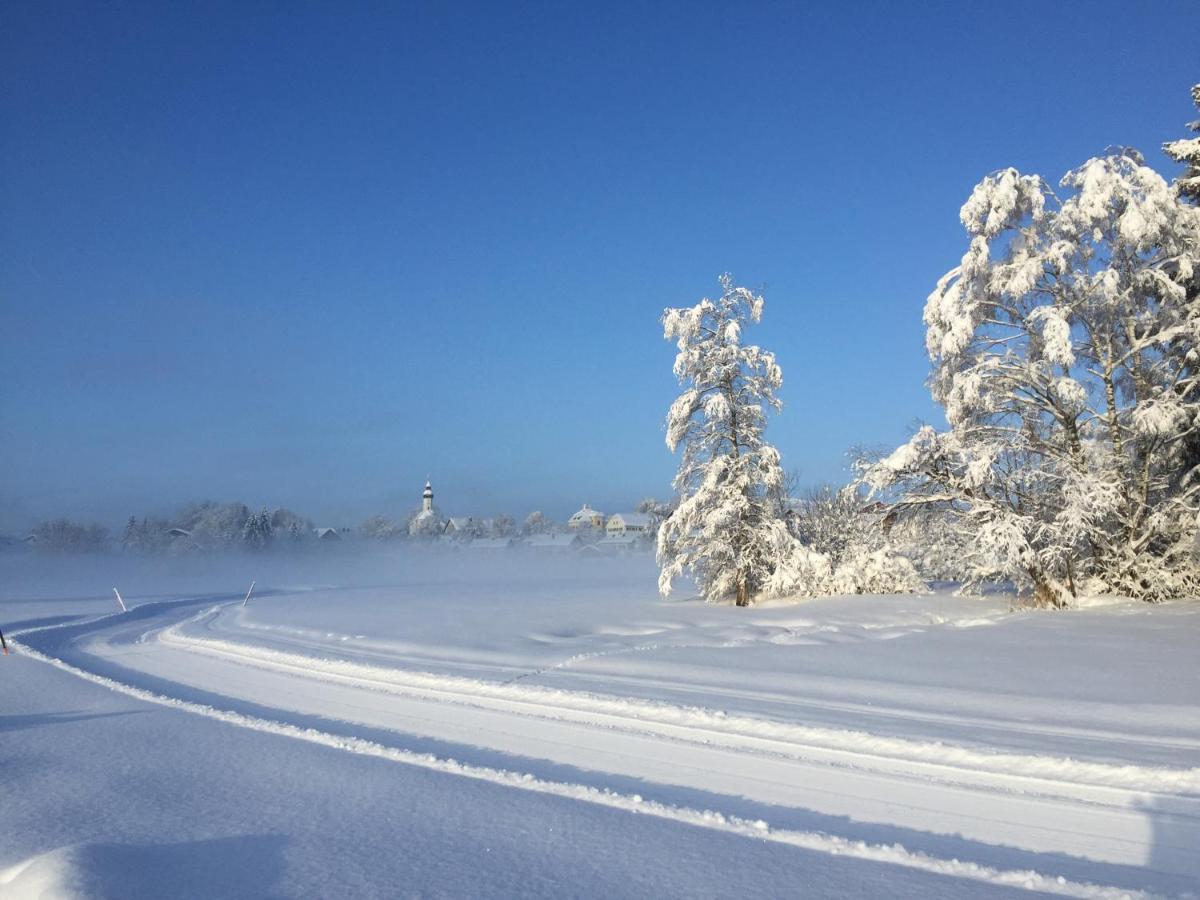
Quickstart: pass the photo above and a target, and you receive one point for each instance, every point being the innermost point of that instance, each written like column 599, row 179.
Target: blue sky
column 302, row 255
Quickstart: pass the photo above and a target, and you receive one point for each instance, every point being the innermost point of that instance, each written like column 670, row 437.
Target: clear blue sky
column 302, row 255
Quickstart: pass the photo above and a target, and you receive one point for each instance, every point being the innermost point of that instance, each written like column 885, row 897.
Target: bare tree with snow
column 725, row 530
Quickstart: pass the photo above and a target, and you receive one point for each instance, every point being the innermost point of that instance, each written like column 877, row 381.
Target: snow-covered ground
column 449, row 725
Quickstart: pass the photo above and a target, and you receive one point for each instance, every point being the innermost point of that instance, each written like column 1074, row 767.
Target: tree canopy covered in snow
column 724, row 529
column 1064, row 354
column 1187, row 152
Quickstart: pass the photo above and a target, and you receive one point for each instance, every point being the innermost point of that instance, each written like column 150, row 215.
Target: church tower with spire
column 427, row 498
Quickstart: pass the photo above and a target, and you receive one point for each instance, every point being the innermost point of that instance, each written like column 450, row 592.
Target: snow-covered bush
column 875, row 571
column 853, row 535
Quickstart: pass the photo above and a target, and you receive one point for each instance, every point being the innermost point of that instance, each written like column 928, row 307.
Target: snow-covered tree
column 65, row 536
column 503, row 526
column 657, row 510
column 130, row 537
column 725, row 530
column 146, row 536
column 215, row 526
column 381, row 528
column 536, row 523
column 1064, row 352
column 285, row 521
column 257, row 533
column 1187, row 153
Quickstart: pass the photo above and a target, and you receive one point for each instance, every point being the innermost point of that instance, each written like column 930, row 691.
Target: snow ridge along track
column 702, row 725
column 1110, row 787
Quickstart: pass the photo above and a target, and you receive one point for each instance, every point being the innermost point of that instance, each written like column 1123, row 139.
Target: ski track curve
column 1048, row 779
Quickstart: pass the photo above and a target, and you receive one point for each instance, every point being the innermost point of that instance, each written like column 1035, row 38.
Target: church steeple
column 427, row 497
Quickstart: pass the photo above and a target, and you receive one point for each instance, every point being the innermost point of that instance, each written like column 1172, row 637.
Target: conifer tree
column 725, row 530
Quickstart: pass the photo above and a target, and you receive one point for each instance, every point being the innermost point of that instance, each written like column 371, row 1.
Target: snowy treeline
column 1064, row 351
column 65, row 536
column 210, row 526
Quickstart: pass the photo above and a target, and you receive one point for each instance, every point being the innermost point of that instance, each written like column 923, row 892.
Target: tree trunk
column 1046, row 594
column 743, row 593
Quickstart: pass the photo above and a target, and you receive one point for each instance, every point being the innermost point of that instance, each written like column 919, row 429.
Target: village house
column 458, row 525
column 628, row 525
column 553, row 543
column 586, row 518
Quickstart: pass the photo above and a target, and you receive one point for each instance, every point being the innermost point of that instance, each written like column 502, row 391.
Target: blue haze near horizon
column 306, row 256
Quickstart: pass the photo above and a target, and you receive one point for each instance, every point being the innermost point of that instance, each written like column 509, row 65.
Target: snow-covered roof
column 586, row 513
column 632, row 519
column 553, row 540
column 326, row 533
column 179, row 532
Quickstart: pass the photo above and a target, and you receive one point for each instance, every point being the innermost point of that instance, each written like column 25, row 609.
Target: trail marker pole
column 249, row 592
column 124, row 608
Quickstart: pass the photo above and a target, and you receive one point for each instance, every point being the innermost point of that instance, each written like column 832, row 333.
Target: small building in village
column 616, row 545
column 426, row 523
column 586, row 518
column 458, row 526
column 627, row 525
column 553, row 543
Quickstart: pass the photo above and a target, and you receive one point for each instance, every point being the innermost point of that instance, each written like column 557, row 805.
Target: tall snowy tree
column 131, row 538
column 1187, row 153
column 725, row 530
column 1063, row 352
column 257, row 533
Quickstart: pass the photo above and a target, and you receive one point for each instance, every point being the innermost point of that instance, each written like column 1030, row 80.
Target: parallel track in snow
column 1109, row 814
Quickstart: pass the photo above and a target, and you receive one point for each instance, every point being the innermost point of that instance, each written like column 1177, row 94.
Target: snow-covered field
column 449, row 725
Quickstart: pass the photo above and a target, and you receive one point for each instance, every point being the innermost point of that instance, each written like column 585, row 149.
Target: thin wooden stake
column 247, row 597
column 124, row 608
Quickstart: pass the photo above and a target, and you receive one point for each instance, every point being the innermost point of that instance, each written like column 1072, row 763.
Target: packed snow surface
column 433, row 724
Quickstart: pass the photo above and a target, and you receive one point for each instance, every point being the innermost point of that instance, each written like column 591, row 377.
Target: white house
column 611, row 546
column 628, row 525
column 586, row 518
column 553, row 543
column 458, row 525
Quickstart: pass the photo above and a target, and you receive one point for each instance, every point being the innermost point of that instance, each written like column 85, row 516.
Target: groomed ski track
column 593, row 748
